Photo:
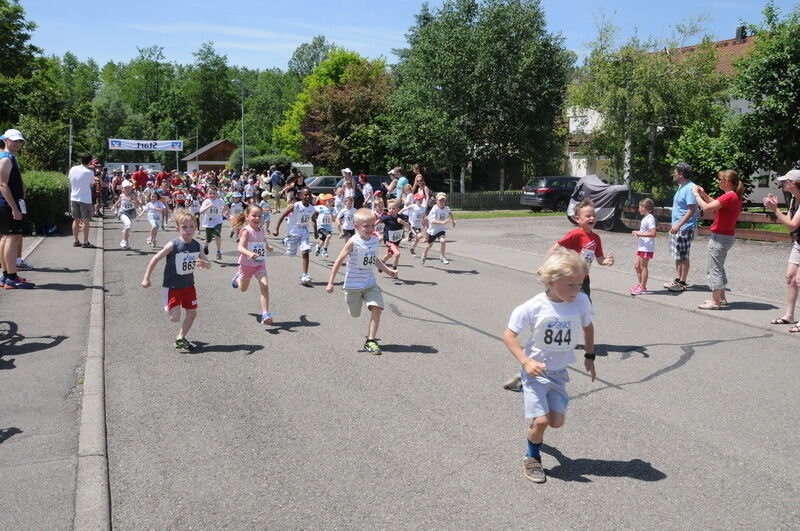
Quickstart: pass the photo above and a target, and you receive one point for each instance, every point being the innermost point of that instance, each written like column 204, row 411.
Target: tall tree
column 18, row 59
column 212, row 98
column 308, row 55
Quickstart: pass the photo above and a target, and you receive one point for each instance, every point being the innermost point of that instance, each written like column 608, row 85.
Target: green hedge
column 47, row 198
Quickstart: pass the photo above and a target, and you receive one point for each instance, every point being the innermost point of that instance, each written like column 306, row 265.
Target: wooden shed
column 213, row 156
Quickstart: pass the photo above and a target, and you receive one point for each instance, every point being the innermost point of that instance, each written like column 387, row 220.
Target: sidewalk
column 43, row 337
column 743, row 309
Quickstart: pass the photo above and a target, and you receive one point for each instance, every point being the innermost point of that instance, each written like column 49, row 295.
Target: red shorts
column 183, row 297
column 645, row 255
column 393, row 248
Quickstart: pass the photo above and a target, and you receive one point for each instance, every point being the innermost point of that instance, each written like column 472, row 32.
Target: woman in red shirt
column 728, row 206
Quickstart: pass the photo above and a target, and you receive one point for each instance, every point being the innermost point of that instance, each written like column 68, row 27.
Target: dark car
column 322, row 184
column 551, row 193
column 378, row 182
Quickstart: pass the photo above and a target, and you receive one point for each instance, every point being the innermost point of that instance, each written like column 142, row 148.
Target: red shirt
column 727, row 215
column 176, row 181
column 179, row 197
column 586, row 244
column 140, row 178
column 160, row 177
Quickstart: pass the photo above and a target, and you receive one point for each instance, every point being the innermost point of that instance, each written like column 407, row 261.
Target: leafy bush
column 47, row 198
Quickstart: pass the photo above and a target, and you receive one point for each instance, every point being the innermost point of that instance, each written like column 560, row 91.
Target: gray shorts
column 545, row 393
column 80, row 210
column 718, row 247
column 371, row 296
column 794, row 256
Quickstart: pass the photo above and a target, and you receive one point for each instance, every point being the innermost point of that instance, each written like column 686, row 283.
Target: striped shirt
column 361, row 262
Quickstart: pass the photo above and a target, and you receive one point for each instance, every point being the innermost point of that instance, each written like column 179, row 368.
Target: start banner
column 145, row 145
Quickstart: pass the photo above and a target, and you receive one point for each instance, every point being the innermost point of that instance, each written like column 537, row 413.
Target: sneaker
column 235, row 280
column 266, row 318
column 183, row 345
column 149, row 241
column 305, row 280
column 514, row 384
column 671, row 283
column 205, row 250
column 316, row 250
column 23, row 266
column 76, row 244
column 325, row 253
column 372, row 347
column 219, row 255
column 444, row 260
column 124, row 245
column 17, row 283
column 422, row 260
column 412, row 251
column 677, row 287
column 533, row 469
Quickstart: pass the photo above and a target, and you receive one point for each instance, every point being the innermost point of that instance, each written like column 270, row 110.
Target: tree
column 211, row 97
column 769, row 79
column 45, row 144
column 18, row 60
column 648, row 94
column 308, row 55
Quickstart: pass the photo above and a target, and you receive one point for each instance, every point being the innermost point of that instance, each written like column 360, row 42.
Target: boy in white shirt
column 345, row 219
column 302, row 214
column 437, row 222
column 416, row 218
column 360, row 282
column 555, row 319
column 213, row 211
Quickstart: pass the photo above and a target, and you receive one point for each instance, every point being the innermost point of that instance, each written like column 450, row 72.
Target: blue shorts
column 545, row 393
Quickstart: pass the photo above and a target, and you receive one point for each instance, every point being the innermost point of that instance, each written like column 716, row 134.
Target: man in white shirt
column 81, row 180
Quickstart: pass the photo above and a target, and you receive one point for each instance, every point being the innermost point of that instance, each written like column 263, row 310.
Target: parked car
column 378, row 182
column 551, row 193
column 322, row 184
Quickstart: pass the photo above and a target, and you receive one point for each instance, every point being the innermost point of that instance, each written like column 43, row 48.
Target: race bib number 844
column 557, row 333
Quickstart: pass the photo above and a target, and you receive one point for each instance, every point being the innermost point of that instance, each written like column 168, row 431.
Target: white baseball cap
column 791, row 175
column 13, row 134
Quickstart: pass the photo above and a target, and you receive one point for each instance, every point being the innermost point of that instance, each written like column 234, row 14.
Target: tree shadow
column 416, row 349
column 7, row 433
column 12, row 343
column 458, row 271
column 577, row 469
column 286, row 326
column 201, row 347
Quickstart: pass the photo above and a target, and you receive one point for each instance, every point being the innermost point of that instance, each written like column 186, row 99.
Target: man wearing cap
column 81, row 179
column 12, row 210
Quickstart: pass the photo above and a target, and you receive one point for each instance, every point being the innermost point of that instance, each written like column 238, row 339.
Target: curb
column 32, row 247
column 92, row 493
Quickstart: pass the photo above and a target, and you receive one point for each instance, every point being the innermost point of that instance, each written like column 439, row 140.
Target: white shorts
column 295, row 241
column 545, row 393
column 794, row 256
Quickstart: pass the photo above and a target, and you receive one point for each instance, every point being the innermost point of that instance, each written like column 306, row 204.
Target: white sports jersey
column 347, row 217
column 300, row 218
column 438, row 214
column 415, row 216
column 361, row 263
column 213, row 216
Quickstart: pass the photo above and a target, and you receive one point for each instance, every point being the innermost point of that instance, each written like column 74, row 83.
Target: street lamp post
column 241, row 86
column 177, row 164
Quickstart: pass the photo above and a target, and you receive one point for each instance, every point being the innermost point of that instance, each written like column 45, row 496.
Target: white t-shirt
column 647, row 245
column 213, row 216
column 366, row 191
column 556, row 327
column 81, row 180
column 154, row 211
column 346, row 217
column 361, row 263
column 300, row 218
column 438, row 214
column 415, row 216
column 324, row 217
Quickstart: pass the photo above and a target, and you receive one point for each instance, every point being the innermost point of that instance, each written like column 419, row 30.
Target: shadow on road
column 67, row 287
column 405, row 282
column 458, row 271
column 7, row 433
column 203, row 348
column 577, row 469
column 12, row 343
column 59, row 270
column 286, row 326
column 415, row 349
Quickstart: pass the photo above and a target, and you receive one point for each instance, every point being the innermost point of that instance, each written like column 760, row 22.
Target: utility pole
column 241, row 86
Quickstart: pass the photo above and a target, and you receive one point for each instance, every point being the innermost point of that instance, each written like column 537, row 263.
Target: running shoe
column 638, row 290
column 205, row 250
column 183, row 345
column 676, row 286
column 422, row 262
column 444, row 260
column 372, row 347
column 412, row 251
column 316, row 250
column 266, row 318
column 533, row 469
column 514, row 384
column 23, row 266
column 149, row 241
column 219, row 255
column 17, row 283
column 235, row 280
column 325, row 253
column 305, row 280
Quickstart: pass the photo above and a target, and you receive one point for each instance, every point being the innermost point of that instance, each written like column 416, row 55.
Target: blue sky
column 263, row 34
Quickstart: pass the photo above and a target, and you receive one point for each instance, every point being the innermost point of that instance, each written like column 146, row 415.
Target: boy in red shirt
column 584, row 241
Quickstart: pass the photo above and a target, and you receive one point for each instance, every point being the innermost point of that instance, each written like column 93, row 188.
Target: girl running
column 126, row 210
column 253, row 246
column 156, row 210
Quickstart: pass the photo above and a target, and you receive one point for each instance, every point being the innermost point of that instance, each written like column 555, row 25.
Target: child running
column 215, row 212
column 266, row 209
column 345, row 219
column 393, row 224
column 234, row 209
column 126, row 204
column 437, row 221
column 324, row 224
column 156, row 210
column 360, row 282
column 302, row 214
column 183, row 254
column 646, row 247
column 553, row 318
column 417, row 220
column 252, row 247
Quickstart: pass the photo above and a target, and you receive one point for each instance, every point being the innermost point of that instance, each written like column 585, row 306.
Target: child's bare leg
column 443, row 247
column 396, row 259
column 374, row 321
column 153, row 233
column 637, row 266
column 264, row 286
column 125, row 234
column 427, row 248
column 305, row 262
column 244, row 283
column 187, row 323
column 174, row 314
column 327, row 241
column 218, row 241
column 644, row 273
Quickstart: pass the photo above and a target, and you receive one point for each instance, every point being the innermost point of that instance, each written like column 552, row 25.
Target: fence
column 486, row 201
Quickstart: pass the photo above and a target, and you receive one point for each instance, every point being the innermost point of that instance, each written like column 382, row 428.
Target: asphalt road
column 691, row 423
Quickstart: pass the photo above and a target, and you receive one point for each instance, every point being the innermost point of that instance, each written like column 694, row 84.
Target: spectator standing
column 684, row 222
column 399, row 181
column 12, row 210
column 140, row 178
column 81, row 180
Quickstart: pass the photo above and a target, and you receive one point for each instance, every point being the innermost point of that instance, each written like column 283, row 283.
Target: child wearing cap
column 235, row 208
column 416, row 218
column 324, row 224
column 265, row 209
column 437, row 221
column 126, row 206
column 360, row 282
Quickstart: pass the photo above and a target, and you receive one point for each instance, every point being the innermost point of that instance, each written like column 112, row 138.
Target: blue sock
column 533, row 450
